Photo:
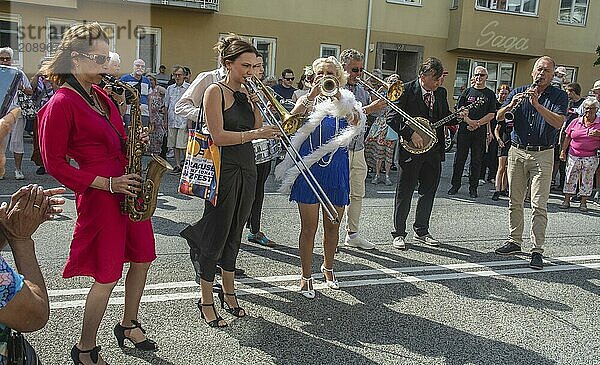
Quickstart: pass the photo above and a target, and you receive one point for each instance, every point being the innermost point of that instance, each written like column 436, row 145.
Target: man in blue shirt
column 539, row 112
column 142, row 84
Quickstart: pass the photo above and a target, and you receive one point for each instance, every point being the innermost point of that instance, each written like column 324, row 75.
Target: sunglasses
column 98, row 58
column 357, row 70
column 289, row 78
column 5, row 59
column 480, row 75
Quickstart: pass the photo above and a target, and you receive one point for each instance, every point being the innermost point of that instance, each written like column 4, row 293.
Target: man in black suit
column 425, row 98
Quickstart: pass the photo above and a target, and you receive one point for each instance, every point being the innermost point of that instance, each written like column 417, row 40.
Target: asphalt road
column 455, row 304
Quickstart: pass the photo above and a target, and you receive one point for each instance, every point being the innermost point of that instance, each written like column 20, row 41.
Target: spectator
column 285, row 90
column 142, row 84
column 559, row 77
column 158, row 123
column 304, row 84
column 502, row 133
column 114, row 65
column 161, row 77
column 178, row 126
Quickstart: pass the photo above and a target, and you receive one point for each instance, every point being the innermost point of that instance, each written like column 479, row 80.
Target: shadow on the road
column 149, row 357
column 167, row 227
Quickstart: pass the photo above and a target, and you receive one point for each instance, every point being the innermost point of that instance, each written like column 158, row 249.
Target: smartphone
column 9, row 82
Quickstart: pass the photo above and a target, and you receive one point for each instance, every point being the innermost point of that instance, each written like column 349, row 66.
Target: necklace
column 324, row 161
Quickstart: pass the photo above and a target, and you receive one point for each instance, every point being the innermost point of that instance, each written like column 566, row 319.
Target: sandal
column 333, row 283
column 309, row 292
column 236, row 311
column 145, row 345
column 218, row 322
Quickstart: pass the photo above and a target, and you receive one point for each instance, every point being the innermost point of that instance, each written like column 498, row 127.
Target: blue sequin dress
column 10, row 284
column 332, row 171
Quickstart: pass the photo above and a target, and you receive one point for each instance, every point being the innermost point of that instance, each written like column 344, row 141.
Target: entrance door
column 402, row 59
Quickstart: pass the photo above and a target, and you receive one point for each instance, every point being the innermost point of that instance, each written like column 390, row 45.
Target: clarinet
column 509, row 116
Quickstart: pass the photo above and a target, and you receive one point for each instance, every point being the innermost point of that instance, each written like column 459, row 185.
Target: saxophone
column 142, row 206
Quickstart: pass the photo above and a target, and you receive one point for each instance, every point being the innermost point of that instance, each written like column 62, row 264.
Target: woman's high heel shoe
column 146, row 345
column 333, row 284
column 236, row 311
column 309, row 292
column 215, row 322
column 94, row 354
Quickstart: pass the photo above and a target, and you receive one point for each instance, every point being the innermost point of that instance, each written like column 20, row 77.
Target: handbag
column 18, row 350
column 202, row 165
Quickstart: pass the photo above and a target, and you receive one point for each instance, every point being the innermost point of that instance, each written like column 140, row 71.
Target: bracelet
column 306, row 102
column 110, row 185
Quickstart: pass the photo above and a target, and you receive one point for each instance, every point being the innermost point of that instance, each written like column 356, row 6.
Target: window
column 454, row 4
column 407, row 2
column 573, row 12
column 148, row 47
column 526, row 7
column 55, row 28
column 9, row 36
column 571, row 75
column 267, row 48
column 330, row 50
column 498, row 73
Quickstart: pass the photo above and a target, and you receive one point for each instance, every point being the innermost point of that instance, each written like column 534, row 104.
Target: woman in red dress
column 82, row 123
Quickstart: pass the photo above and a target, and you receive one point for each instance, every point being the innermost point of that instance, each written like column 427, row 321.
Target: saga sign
column 489, row 37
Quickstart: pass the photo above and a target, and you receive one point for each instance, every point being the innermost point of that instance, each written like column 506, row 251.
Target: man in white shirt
column 178, row 125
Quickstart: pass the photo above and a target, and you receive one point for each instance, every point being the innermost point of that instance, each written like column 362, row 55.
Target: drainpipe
column 368, row 37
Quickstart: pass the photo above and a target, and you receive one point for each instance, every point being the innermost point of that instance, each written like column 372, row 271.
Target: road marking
column 553, row 265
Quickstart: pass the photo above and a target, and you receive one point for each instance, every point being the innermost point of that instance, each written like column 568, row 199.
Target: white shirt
column 189, row 104
column 172, row 96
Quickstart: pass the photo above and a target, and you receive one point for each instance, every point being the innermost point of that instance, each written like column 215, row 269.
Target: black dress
column 217, row 235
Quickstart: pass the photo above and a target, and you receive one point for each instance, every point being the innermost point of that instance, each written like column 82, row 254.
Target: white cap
column 561, row 70
column 596, row 85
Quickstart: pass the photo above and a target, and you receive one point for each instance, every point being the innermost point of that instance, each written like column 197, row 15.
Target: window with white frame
column 56, row 28
column 330, row 50
column 499, row 73
column 571, row 75
column 267, row 47
column 11, row 37
column 407, row 2
column 573, row 12
column 148, row 47
column 527, row 7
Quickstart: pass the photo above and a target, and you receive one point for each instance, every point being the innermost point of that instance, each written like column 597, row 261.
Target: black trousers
column 475, row 142
column 424, row 170
column 490, row 161
column 262, row 171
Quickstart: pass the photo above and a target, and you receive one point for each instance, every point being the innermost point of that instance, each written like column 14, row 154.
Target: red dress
column 104, row 238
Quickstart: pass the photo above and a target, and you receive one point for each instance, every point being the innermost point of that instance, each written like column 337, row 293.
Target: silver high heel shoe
column 333, row 284
column 309, row 292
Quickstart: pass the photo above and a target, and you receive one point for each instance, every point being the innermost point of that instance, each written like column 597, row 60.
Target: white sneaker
column 399, row 243
column 359, row 242
column 19, row 175
column 427, row 239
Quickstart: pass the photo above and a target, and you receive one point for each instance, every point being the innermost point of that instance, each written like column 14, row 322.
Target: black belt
column 531, row 148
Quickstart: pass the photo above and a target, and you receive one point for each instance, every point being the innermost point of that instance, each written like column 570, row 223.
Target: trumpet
column 256, row 86
column 509, row 115
column 418, row 124
column 329, row 86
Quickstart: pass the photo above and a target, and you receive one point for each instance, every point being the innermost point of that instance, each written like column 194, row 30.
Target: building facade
column 506, row 36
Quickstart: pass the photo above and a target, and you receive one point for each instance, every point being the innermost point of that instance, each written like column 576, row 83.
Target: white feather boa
column 343, row 108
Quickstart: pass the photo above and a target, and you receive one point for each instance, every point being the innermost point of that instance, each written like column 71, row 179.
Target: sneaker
column 399, row 243
column 261, row 239
column 453, row 190
column 427, row 239
column 19, row 175
column 509, row 248
column 40, row 171
column 375, row 180
column 359, row 242
column 387, row 181
column 496, row 196
column 536, row 261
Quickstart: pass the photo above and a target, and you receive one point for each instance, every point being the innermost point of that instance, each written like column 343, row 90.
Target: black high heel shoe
column 215, row 322
column 146, row 345
column 233, row 310
column 94, row 354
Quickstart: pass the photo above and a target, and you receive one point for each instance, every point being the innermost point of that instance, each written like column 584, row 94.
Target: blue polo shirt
column 529, row 127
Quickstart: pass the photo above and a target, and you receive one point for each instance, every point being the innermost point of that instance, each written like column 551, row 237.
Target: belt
column 531, row 148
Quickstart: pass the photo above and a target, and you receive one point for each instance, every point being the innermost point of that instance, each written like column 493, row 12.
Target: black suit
column 425, row 168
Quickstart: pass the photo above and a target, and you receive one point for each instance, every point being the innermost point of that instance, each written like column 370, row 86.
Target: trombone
column 256, row 86
column 419, row 124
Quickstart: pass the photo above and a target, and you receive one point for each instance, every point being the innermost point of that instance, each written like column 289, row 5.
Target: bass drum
column 266, row 150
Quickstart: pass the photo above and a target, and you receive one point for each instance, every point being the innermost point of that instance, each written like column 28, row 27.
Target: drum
column 266, row 150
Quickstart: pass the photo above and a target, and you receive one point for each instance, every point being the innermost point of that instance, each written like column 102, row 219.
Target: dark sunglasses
column 357, row 70
column 289, row 78
column 481, row 75
column 5, row 59
column 98, row 58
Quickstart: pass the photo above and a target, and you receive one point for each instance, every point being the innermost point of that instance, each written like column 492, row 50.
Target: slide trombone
column 256, row 86
column 420, row 125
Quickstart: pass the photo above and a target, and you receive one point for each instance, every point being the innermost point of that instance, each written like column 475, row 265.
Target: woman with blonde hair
column 331, row 124
column 82, row 122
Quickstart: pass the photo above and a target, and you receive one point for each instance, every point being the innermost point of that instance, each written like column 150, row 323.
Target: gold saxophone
column 142, row 206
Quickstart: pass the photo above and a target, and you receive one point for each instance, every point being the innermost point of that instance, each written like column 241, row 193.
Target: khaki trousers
column 528, row 168
column 358, row 175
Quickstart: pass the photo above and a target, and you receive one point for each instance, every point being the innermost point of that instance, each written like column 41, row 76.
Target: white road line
column 351, row 283
column 341, row 274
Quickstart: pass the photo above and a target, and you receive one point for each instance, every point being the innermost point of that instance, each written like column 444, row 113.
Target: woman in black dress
column 233, row 123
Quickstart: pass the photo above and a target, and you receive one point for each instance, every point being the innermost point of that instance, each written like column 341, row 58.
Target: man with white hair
column 142, row 84
column 471, row 135
column 114, row 65
column 14, row 140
